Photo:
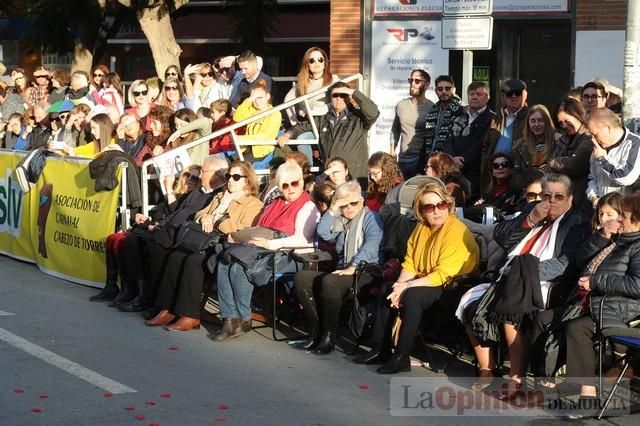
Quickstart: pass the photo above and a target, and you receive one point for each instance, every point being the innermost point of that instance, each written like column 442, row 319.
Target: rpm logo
column 403, row 34
column 408, row 2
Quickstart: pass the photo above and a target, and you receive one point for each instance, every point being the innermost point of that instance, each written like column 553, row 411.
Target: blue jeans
column 306, row 149
column 235, row 289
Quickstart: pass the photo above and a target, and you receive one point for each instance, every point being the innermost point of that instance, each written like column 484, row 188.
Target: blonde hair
column 437, row 189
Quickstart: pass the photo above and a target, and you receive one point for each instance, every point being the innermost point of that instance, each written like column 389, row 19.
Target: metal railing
column 146, row 176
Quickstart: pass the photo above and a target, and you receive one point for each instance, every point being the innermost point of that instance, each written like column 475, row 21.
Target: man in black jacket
column 343, row 129
column 135, row 246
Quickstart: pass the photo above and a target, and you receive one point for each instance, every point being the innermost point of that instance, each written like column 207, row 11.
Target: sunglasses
column 352, row 204
column 140, row 93
column 235, row 176
column 98, row 75
column 63, row 116
column 339, row 95
column 207, row 74
column 533, row 195
column 193, row 178
column 169, row 88
column 444, row 88
column 41, row 76
column 294, row 184
column 430, row 208
column 415, row 80
column 502, row 165
column 314, row 60
column 512, row 93
column 558, row 196
column 172, row 74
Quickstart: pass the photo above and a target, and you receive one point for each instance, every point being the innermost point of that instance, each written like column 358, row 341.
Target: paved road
column 67, row 361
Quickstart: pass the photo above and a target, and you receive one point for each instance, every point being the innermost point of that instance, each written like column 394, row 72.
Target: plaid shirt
column 38, row 94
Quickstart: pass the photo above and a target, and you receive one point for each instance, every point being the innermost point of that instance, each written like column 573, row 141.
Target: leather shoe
column 309, row 343
column 184, row 324
column 136, row 305
column 150, row 313
column 107, row 294
column 374, row 356
column 398, row 363
column 231, row 328
column 325, row 345
column 164, row 317
column 244, row 327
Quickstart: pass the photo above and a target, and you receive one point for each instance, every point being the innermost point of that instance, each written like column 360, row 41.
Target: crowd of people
column 560, row 180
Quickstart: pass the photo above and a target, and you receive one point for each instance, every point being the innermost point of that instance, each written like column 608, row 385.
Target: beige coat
column 242, row 213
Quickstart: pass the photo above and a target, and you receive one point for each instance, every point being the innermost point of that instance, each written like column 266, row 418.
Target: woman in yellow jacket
column 265, row 129
column 440, row 248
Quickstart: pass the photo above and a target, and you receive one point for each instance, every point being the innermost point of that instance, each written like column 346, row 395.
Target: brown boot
column 229, row 326
column 163, row 317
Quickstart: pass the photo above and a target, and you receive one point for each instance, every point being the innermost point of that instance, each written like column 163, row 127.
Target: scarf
column 280, row 215
column 353, row 236
column 223, row 205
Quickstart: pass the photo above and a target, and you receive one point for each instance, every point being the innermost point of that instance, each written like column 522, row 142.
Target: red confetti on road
column 43, row 396
column 165, row 395
column 108, row 394
column 18, row 390
column 154, row 424
column 221, row 420
column 149, row 403
column 173, row 348
column 139, row 417
column 129, row 408
column 222, row 406
column 364, row 386
column 36, row 410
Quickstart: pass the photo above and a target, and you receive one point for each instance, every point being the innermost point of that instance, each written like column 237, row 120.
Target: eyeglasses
column 318, row 60
column 591, row 97
column 559, row 196
column 533, row 195
column 416, row 80
column 352, row 204
column 235, row 176
column 207, row 74
column 169, row 88
column 502, row 165
column 375, row 173
column 339, row 95
column 140, row 93
column 98, row 75
column 444, row 88
column 430, row 208
column 294, row 184
column 512, row 93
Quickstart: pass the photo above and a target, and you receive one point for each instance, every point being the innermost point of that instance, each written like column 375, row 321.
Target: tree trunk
column 631, row 109
column 82, row 59
column 159, row 32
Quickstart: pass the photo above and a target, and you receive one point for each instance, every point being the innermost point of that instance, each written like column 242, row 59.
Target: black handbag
column 258, row 262
column 192, row 238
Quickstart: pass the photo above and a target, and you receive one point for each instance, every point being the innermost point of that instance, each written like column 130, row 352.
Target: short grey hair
column 347, row 189
column 556, row 178
column 217, row 162
column 288, row 171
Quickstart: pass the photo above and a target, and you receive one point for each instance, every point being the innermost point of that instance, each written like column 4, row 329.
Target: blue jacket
column 331, row 229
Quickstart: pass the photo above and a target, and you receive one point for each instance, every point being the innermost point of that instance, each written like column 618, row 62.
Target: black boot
column 398, row 363
column 374, row 356
column 138, row 304
column 128, row 291
column 326, row 344
column 305, row 296
column 110, row 290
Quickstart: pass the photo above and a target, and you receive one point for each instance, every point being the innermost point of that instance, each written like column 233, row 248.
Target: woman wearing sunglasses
column 356, row 232
column 173, row 71
column 181, row 284
column 203, row 89
column 502, row 191
column 440, row 248
column 140, row 102
column 292, row 220
column 173, row 95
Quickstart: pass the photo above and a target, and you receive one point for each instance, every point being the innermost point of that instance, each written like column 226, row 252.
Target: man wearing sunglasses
column 508, row 124
column 615, row 162
column 409, row 124
column 439, row 120
column 343, row 129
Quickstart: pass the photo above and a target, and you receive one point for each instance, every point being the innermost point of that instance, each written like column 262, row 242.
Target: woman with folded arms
column 234, row 209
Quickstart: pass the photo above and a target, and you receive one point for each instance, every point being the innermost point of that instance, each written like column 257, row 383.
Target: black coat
column 104, row 170
column 617, row 278
column 466, row 140
column 572, row 233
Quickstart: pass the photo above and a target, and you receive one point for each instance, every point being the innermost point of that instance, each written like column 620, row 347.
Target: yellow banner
column 64, row 222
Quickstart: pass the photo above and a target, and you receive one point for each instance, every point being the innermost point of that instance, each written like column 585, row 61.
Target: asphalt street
column 66, row 361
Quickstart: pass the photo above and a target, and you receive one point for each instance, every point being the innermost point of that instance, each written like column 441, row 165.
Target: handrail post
column 124, row 212
column 145, row 190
